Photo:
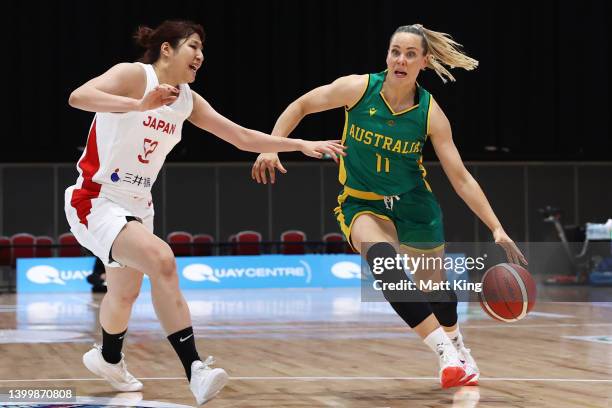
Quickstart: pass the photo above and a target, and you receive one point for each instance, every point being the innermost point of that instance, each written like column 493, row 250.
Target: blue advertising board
column 44, row 275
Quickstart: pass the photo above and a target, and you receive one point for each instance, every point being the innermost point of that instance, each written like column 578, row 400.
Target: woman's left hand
column 513, row 253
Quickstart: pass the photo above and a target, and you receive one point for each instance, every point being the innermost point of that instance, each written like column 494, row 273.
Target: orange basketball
column 508, row 292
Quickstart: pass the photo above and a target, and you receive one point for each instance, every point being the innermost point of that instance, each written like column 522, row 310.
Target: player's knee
column 413, row 313
column 378, row 252
column 163, row 264
column 126, row 298
column 378, row 256
column 410, row 305
column 444, row 306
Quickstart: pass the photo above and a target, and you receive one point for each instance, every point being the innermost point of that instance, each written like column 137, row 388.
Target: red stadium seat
column 248, row 243
column 44, row 247
column 6, row 252
column 293, row 242
column 231, row 249
column 334, row 243
column 69, row 246
column 203, row 245
column 180, row 242
column 23, row 246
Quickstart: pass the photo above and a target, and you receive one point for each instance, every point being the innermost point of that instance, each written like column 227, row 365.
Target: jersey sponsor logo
column 115, row 176
column 148, row 147
column 131, row 178
column 372, row 111
column 384, row 142
column 159, row 124
column 137, row 180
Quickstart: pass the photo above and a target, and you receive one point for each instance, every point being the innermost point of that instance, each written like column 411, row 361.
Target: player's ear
column 165, row 49
column 426, row 61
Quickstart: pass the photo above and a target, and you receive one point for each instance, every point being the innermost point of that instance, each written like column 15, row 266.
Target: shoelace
column 389, row 201
column 465, row 353
column 126, row 376
column 124, row 372
column 210, row 360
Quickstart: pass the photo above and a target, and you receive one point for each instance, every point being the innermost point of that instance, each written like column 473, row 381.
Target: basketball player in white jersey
column 140, row 109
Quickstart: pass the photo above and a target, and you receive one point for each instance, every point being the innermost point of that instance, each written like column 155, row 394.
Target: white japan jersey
column 125, row 151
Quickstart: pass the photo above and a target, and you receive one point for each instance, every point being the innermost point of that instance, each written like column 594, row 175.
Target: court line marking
column 552, row 315
column 329, row 378
column 601, row 339
column 270, row 328
column 356, row 326
column 204, row 331
column 519, row 326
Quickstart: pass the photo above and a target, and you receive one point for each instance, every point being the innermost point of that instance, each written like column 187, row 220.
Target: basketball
column 508, row 292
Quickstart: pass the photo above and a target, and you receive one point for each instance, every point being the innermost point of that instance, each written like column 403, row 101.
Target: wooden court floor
column 315, row 348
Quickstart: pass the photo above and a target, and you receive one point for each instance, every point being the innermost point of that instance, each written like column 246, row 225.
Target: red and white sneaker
column 470, row 364
column 453, row 373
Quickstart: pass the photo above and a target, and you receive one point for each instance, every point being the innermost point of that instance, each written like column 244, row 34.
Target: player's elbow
column 75, row 99
column 299, row 108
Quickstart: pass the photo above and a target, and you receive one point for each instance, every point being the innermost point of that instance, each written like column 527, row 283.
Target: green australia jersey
column 384, row 154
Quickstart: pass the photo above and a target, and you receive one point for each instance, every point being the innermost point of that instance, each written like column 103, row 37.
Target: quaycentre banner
column 47, row 275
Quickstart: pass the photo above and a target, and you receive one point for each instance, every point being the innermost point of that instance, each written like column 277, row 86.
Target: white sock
column 436, row 339
column 456, row 337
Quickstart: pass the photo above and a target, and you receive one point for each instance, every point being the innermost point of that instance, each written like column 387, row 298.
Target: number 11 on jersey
column 379, row 159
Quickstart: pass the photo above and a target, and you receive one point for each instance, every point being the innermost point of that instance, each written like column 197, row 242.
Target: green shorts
column 416, row 215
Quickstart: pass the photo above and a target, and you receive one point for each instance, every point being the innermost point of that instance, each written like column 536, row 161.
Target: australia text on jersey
column 385, row 142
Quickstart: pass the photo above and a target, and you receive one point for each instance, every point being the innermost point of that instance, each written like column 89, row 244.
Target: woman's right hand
column 269, row 162
column 163, row 94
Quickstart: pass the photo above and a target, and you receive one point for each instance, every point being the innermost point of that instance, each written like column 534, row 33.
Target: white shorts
column 96, row 220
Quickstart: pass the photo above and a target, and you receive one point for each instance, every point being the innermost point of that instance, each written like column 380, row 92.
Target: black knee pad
column 444, row 305
column 410, row 305
column 380, row 250
column 413, row 313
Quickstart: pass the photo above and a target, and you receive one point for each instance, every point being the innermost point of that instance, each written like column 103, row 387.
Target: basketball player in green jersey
column 386, row 205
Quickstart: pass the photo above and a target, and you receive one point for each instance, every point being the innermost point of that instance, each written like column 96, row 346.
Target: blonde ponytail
column 443, row 51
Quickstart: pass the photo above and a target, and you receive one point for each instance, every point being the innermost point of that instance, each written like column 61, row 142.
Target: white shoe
column 206, row 382
column 116, row 374
column 453, row 372
column 466, row 357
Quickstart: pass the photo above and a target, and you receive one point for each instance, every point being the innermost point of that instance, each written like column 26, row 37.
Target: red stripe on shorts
column 89, row 165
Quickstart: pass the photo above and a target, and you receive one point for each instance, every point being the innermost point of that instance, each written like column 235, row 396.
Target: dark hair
column 171, row 31
column 443, row 51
